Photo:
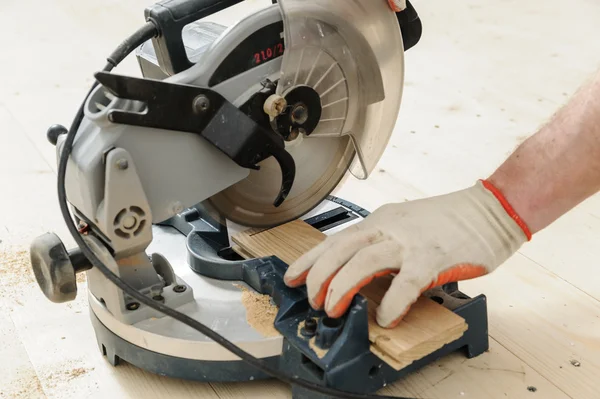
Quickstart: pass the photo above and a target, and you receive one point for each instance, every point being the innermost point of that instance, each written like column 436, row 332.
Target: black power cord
column 145, row 33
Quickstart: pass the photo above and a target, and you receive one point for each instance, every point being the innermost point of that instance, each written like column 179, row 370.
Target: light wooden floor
column 484, row 77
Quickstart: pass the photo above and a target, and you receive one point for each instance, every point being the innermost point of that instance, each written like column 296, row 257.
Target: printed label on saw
column 268, row 54
column 264, row 45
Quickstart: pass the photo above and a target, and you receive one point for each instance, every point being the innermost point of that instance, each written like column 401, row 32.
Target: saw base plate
column 265, row 275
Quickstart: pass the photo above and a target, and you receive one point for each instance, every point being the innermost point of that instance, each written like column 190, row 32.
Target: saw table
column 443, row 321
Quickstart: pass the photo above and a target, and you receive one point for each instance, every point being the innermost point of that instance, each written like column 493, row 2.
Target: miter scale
column 249, row 125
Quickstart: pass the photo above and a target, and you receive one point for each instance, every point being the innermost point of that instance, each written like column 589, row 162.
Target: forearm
column 558, row 167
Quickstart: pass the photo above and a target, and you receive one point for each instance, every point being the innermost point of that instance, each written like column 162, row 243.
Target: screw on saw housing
column 209, row 115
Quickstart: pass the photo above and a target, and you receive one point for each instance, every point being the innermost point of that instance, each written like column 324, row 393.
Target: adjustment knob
column 55, row 268
column 54, row 131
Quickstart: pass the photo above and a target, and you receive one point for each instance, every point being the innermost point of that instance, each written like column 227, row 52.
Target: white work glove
column 428, row 243
column 397, row 5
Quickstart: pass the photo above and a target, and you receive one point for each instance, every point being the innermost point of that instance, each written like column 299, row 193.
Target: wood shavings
column 320, row 352
column 27, row 385
column 260, row 312
column 77, row 372
column 15, row 267
column 60, row 378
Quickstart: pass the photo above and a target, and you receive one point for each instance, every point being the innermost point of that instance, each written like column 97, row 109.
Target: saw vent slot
column 100, row 100
column 331, row 219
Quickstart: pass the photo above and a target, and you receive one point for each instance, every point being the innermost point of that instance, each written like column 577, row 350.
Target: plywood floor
column 484, row 77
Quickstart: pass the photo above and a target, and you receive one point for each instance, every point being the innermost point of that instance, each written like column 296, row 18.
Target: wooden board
column 426, row 328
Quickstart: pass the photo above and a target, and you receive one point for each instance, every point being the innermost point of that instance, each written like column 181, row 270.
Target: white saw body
column 249, row 125
column 216, row 301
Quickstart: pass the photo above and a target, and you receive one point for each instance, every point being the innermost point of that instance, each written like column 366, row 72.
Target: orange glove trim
column 300, row 280
column 344, row 303
column 508, row 208
column 393, row 6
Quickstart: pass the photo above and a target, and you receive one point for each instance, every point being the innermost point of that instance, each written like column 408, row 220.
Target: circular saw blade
column 343, row 57
column 321, row 165
column 322, row 158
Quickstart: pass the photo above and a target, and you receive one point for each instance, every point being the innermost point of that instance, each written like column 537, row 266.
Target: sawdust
column 15, row 267
column 59, row 378
column 26, row 386
column 260, row 312
column 312, row 343
column 318, row 351
column 79, row 371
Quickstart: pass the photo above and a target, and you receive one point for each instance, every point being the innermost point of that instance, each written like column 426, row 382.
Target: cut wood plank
column 288, row 241
column 427, row 327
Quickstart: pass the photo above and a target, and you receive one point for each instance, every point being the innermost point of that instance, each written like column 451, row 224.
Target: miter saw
column 249, row 125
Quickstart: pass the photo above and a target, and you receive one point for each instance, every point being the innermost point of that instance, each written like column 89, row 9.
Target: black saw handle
column 170, row 17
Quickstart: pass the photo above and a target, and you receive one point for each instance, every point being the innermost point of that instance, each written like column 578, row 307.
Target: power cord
column 145, row 33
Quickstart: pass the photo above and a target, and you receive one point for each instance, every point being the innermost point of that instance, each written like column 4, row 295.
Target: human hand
column 428, row 243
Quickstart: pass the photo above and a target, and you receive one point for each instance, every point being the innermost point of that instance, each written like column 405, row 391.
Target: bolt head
column 177, row 207
column 201, row 104
column 122, row 164
column 133, row 306
column 300, row 114
column 310, row 324
column 179, row 288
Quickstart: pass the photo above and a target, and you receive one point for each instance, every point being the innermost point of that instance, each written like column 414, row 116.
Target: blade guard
column 346, row 50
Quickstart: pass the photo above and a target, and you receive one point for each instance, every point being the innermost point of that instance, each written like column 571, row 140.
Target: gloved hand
column 397, row 5
column 428, row 243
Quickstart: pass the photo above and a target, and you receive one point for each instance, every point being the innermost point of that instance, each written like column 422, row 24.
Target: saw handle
column 170, row 17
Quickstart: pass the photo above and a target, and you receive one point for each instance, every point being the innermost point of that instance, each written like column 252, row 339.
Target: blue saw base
column 348, row 364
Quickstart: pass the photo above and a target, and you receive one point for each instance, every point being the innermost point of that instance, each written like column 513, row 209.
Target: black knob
column 55, row 268
column 54, row 131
